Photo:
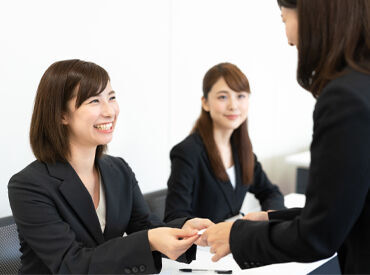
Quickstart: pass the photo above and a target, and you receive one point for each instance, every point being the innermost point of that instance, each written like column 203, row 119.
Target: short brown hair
column 238, row 82
column 333, row 35
column 62, row 81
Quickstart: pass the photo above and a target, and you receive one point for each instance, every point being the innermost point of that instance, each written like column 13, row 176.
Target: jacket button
column 135, row 269
column 142, row 268
column 127, row 270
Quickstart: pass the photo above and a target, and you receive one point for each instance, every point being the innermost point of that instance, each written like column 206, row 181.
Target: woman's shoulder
column 348, row 93
column 192, row 145
column 32, row 171
column 114, row 162
column 351, row 83
column 34, row 176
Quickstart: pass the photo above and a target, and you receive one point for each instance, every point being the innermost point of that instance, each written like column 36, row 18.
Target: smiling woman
column 215, row 163
column 73, row 205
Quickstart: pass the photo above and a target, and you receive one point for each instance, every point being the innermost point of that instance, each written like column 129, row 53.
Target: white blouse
column 231, row 173
column 101, row 210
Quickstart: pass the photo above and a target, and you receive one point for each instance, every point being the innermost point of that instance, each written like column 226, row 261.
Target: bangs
column 92, row 82
column 290, row 4
column 236, row 80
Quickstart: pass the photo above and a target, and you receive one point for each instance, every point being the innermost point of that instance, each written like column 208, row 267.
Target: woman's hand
column 171, row 242
column 217, row 237
column 198, row 224
column 257, row 216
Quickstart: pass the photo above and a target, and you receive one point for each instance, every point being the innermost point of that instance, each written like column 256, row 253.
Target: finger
column 201, row 242
column 184, row 243
column 183, row 233
column 206, row 223
column 220, row 253
column 216, row 258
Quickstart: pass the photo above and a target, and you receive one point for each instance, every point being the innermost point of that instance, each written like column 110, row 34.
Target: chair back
column 156, row 201
column 10, row 261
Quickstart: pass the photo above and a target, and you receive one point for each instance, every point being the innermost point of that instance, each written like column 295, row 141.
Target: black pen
column 199, row 269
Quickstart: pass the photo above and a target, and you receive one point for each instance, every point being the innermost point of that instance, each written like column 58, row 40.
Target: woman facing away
column 214, row 167
column 333, row 42
column 74, row 203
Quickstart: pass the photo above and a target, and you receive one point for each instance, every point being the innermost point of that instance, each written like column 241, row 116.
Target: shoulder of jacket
column 115, row 162
column 351, row 88
column 191, row 145
column 353, row 82
column 32, row 173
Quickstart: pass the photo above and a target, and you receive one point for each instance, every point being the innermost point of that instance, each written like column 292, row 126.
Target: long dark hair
column 62, row 81
column 333, row 35
column 237, row 81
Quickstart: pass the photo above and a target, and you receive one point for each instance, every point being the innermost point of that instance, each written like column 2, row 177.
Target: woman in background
column 333, row 42
column 73, row 204
column 214, row 167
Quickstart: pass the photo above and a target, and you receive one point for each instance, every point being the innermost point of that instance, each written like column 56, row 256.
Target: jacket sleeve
column 180, row 185
column 285, row 214
column 336, row 193
column 267, row 193
column 55, row 243
column 142, row 218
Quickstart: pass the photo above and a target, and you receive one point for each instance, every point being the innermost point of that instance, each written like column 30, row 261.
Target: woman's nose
column 232, row 104
column 107, row 110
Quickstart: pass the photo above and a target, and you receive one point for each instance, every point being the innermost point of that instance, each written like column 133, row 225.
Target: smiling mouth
column 104, row 126
column 232, row 116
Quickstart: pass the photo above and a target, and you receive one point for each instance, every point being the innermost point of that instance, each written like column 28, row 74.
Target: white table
column 204, row 261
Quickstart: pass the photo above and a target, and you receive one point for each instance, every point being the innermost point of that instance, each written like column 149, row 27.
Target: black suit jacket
column 336, row 216
column 59, row 230
column 193, row 190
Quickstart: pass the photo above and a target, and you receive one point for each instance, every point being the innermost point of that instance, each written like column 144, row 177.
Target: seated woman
column 73, row 204
column 214, row 167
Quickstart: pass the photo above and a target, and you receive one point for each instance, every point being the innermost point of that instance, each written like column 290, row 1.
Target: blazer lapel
column 225, row 187
column 74, row 191
column 112, row 182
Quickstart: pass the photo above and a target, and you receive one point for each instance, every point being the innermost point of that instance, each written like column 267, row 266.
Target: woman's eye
column 94, row 101
column 222, row 97
column 241, row 96
column 112, row 98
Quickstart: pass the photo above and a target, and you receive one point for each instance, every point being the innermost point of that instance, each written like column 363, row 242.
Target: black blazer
column 336, row 216
column 59, row 230
column 193, row 190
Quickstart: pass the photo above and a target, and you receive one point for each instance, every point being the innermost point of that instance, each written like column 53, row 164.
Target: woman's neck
column 222, row 137
column 222, row 140
column 82, row 159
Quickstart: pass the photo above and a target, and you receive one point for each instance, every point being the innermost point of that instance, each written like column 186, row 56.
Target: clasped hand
column 173, row 242
column 218, row 235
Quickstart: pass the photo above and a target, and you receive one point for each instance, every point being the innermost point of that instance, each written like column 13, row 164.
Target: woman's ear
column 65, row 119
column 205, row 104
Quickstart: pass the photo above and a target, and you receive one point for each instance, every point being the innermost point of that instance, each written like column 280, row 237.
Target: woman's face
column 227, row 108
column 92, row 123
column 290, row 20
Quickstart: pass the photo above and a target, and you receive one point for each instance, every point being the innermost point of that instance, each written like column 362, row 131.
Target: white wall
column 156, row 53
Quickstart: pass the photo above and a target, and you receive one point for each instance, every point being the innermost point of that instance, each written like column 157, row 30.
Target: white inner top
column 101, row 210
column 231, row 173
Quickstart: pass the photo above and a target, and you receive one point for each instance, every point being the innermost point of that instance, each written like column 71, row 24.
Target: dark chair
column 10, row 255
column 156, row 201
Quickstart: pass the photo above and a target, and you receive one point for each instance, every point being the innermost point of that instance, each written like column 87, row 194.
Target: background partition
column 156, row 53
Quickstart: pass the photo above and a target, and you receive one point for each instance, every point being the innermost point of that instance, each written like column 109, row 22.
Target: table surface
column 204, row 261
